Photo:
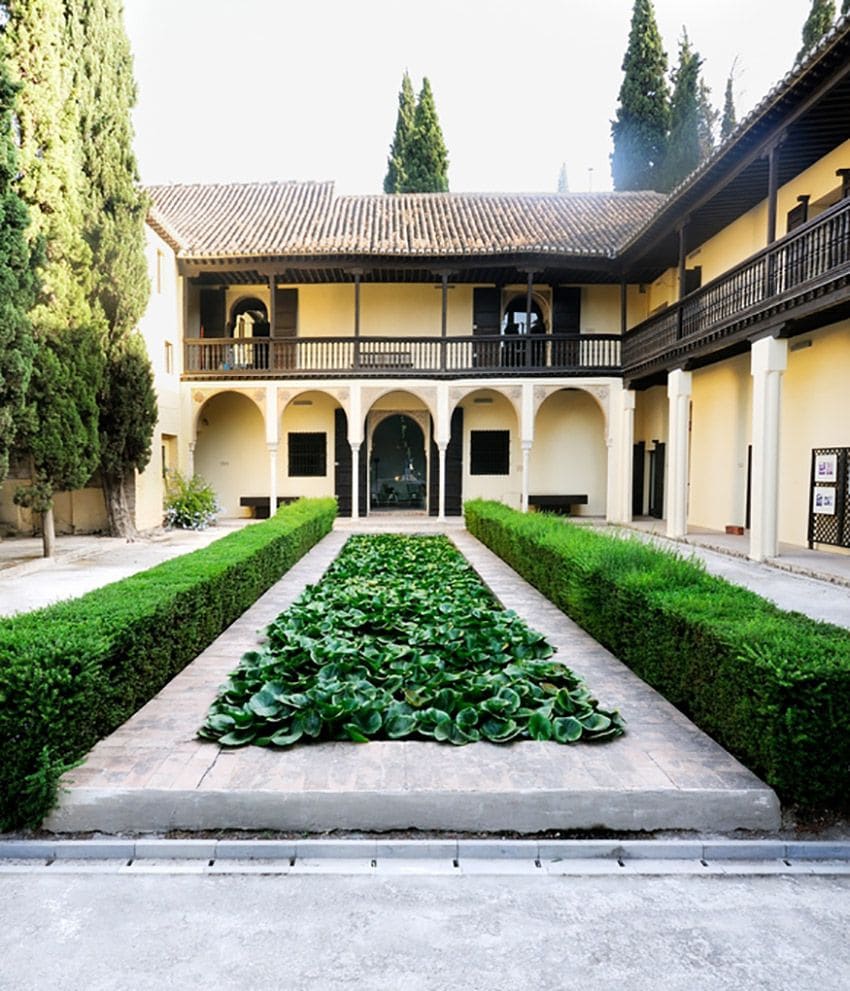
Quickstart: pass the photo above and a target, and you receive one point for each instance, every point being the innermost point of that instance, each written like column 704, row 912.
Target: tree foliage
column 640, row 129
column 396, row 177
column 59, row 427
column 563, row 179
column 418, row 161
column 115, row 209
column 707, row 117
column 683, row 147
column 819, row 21
column 730, row 118
column 17, row 280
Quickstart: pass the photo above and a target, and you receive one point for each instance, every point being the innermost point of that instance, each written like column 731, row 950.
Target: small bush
column 190, row 503
column 772, row 687
column 72, row 673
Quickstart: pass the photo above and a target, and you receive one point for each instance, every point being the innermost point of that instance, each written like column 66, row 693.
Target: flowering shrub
column 190, row 503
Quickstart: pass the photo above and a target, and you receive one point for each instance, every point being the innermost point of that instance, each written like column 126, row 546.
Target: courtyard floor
column 153, row 775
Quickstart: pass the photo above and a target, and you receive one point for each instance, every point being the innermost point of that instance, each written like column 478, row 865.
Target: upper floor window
column 518, row 319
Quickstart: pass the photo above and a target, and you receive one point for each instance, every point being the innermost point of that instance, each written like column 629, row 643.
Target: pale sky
column 242, row 90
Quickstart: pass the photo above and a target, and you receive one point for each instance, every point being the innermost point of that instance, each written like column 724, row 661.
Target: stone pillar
column 679, row 396
column 355, row 481
column 272, row 478
column 626, row 441
column 441, row 451
column 190, row 467
column 768, row 360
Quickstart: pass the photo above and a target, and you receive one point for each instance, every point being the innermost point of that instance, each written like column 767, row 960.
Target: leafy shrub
column 73, row 672
column 401, row 638
column 190, row 503
column 772, row 687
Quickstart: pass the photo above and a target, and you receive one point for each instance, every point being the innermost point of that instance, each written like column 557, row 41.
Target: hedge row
column 770, row 686
column 73, row 672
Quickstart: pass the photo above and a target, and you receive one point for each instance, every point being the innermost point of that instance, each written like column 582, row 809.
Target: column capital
column 679, row 383
column 769, row 354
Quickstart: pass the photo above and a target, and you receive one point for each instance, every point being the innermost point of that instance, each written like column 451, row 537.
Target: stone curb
column 547, row 850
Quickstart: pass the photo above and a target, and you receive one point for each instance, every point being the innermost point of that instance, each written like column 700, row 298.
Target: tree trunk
column 118, row 513
column 48, row 532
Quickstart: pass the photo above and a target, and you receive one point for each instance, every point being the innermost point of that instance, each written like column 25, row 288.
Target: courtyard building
column 609, row 355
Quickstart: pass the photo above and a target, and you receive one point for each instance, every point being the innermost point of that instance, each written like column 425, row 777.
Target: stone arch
column 425, row 394
column 200, row 398
column 513, row 394
column 601, row 395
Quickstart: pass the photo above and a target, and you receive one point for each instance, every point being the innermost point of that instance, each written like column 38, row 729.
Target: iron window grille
column 489, row 452
column 308, row 456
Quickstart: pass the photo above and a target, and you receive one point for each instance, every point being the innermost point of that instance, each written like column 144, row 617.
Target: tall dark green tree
column 59, row 426
column 427, row 156
column 845, row 7
column 17, row 280
column 683, row 147
column 730, row 118
column 396, row 176
column 114, row 210
column 707, row 117
column 643, row 114
column 819, row 21
column 563, row 179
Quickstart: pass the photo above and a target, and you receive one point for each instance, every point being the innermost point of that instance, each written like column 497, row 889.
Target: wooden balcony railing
column 774, row 280
column 450, row 357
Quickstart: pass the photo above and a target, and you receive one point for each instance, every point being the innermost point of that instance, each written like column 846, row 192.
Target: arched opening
column 230, row 450
column 520, row 322
column 398, row 470
column 249, row 317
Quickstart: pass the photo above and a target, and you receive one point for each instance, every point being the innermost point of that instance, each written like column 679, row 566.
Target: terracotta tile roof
column 258, row 219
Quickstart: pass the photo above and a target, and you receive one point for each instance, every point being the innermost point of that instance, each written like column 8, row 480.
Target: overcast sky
column 239, row 90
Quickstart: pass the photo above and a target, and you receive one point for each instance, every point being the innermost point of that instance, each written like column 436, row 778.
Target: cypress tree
column 39, row 60
column 17, row 280
column 819, row 21
column 427, row 157
column 563, row 181
column 730, row 119
column 396, row 176
column 683, row 150
column 115, row 209
column 707, row 117
column 640, row 129
column 845, row 7
column 59, row 427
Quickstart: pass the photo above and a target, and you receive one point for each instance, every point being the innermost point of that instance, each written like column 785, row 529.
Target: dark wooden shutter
column 693, row 279
column 566, row 310
column 454, row 474
column 486, row 310
column 285, row 312
column 342, row 463
column 363, row 481
column 212, row 312
column 638, row 462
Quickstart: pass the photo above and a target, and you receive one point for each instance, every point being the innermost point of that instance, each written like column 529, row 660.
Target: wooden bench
column 259, row 505
column 560, row 504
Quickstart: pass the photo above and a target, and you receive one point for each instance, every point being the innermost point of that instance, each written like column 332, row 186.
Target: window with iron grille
column 489, row 452
column 307, row 455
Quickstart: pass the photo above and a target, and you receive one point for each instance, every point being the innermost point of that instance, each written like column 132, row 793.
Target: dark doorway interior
column 397, row 469
column 656, row 481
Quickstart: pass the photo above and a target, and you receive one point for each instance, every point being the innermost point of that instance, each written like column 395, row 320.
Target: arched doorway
column 520, row 322
column 398, row 470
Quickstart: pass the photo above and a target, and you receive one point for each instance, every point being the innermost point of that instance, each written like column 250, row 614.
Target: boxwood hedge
column 772, row 687
column 73, row 672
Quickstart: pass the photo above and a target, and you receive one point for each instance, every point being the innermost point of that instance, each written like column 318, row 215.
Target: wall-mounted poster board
column 829, row 497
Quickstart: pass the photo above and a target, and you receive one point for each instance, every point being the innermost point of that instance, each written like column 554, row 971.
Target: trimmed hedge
column 772, row 687
column 73, row 672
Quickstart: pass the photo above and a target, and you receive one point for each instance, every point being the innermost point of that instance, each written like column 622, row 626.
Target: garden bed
column 400, row 640
column 772, row 687
column 73, row 672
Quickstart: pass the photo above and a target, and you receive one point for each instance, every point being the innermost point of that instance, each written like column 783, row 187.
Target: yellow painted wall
column 600, row 310
column 231, row 451
column 569, row 453
column 721, row 417
column 815, row 413
column 499, row 415
column 315, row 418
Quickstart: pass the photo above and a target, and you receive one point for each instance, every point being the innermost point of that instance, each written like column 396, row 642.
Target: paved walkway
column 153, row 774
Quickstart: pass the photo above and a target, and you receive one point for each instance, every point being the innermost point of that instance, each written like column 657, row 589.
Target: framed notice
column 824, row 501
column 826, row 468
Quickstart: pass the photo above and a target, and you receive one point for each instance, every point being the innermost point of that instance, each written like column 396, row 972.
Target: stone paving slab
column 153, row 775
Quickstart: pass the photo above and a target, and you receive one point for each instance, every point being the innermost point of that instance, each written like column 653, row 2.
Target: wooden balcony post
column 357, row 275
column 444, row 325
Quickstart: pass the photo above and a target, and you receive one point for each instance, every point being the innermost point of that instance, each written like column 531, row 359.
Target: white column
column 768, row 360
column 355, row 481
column 441, row 451
column 626, row 445
column 526, row 456
column 272, row 478
column 679, row 396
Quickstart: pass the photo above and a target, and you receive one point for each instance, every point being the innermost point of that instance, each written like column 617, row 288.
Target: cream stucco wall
column 600, row 310
column 721, row 417
column 298, row 417
column 231, row 452
column 498, row 415
column 569, row 453
column 815, row 413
